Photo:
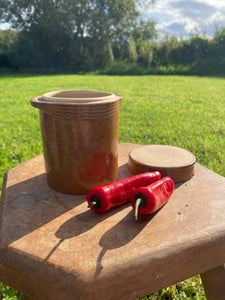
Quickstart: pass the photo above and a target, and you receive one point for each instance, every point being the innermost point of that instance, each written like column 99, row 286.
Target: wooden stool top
column 53, row 247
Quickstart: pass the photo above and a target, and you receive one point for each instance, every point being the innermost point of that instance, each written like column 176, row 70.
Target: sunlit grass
column 182, row 111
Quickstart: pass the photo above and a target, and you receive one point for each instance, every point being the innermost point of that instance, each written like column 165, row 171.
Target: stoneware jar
column 80, row 132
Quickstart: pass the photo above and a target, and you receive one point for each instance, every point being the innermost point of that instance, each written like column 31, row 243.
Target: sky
column 185, row 17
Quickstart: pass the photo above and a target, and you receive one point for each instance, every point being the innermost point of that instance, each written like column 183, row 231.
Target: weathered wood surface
column 53, row 247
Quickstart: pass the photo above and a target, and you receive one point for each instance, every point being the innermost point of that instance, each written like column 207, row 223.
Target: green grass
column 182, row 111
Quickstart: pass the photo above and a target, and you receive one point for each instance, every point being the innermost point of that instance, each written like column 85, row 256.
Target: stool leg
column 214, row 283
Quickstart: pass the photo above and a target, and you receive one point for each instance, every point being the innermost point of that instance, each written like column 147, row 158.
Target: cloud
column 4, row 26
column 193, row 9
column 185, row 17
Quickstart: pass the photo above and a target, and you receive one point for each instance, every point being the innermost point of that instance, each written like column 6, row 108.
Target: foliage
column 70, row 34
column 6, row 293
column 188, row 289
column 163, row 50
column 196, row 56
column 143, row 35
column 133, row 56
column 8, row 39
column 203, row 55
column 74, row 35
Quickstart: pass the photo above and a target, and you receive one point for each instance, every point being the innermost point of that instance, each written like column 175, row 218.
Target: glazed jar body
column 80, row 144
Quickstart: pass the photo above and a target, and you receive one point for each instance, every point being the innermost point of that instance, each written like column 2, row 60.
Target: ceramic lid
column 172, row 161
column 77, row 96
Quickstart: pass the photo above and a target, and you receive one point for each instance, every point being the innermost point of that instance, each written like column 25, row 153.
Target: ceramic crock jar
column 80, row 133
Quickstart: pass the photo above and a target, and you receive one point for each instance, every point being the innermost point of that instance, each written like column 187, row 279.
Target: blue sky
column 185, row 17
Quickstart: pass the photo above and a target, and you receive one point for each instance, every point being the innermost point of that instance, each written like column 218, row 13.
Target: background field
column 183, row 111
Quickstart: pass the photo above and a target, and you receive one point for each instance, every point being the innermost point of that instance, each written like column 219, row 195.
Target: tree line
column 84, row 35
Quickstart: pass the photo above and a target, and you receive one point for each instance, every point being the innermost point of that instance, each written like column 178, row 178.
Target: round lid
column 77, row 96
column 172, row 161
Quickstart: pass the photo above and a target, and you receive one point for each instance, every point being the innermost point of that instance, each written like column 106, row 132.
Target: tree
column 68, row 32
column 219, row 43
column 7, row 42
column 132, row 50
column 143, row 35
column 165, row 49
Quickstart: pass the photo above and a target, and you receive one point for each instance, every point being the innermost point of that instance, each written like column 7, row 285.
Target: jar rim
column 77, row 96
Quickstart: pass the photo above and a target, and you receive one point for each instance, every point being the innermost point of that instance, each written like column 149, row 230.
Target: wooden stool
column 53, row 247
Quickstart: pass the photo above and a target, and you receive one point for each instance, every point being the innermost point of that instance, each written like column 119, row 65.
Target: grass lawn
column 183, row 111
